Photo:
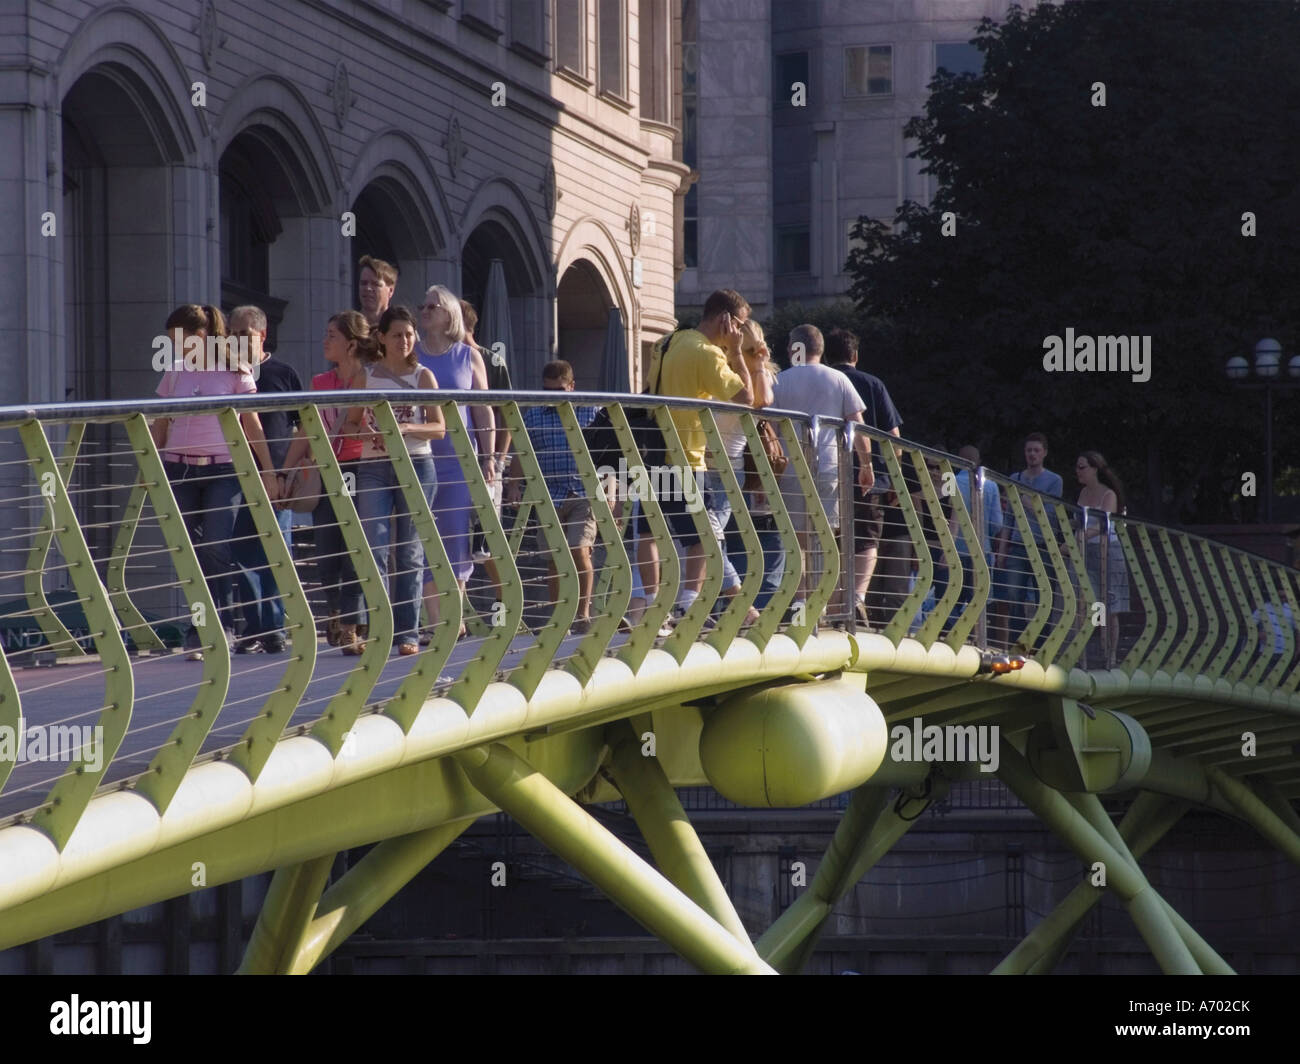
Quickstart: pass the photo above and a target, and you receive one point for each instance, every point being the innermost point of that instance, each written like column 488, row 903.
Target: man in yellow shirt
column 702, row 363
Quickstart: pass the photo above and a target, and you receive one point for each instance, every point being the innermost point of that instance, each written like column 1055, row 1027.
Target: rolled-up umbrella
column 494, row 320
column 614, row 371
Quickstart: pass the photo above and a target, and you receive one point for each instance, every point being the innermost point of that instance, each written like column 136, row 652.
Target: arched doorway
column 393, row 226
column 582, row 322
column 118, row 149
column 492, row 240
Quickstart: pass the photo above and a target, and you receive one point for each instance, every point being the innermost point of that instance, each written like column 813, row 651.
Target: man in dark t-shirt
column 262, row 607
column 880, row 539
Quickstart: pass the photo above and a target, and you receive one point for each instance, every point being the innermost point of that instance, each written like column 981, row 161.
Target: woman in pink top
column 347, row 346
column 196, row 458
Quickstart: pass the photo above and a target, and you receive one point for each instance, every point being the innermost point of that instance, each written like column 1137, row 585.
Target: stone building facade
column 793, row 116
column 168, row 151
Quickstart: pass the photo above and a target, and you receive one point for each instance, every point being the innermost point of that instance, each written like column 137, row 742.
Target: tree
column 1098, row 176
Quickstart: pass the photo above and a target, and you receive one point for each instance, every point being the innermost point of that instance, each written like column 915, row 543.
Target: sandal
column 349, row 641
column 407, row 649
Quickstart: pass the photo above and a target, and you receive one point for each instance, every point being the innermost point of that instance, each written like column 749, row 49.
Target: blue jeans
column 259, row 594
column 717, row 504
column 206, row 496
column 385, row 519
column 338, row 576
column 773, row 556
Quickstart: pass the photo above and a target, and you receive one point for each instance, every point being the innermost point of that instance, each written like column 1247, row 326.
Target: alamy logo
column 1098, row 354
column 670, row 484
column 102, row 1017
column 948, row 743
column 58, row 742
column 222, row 354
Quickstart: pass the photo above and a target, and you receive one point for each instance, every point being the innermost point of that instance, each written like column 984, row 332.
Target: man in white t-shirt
column 811, row 388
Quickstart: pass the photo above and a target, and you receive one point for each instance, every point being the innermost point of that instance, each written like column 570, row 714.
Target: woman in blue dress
column 457, row 365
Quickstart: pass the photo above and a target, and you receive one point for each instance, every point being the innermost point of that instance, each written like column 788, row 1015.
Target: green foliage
column 841, row 314
column 1117, row 220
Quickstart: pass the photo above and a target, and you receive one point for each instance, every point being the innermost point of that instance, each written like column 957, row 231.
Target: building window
column 690, row 131
column 656, row 61
column 526, row 24
column 793, row 249
column 788, row 72
column 571, row 35
column 869, row 70
column 960, row 58
column 611, row 32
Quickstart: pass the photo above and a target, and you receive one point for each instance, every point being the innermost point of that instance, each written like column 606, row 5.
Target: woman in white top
column 380, row 503
column 1101, row 490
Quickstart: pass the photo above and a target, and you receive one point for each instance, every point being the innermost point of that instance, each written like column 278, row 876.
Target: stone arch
column 155, row 77
column 590, row 261
column 500, row 200
column 274, row 111
column 402, row 214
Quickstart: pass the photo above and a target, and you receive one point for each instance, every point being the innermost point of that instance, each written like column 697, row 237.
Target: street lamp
column 1265, row 376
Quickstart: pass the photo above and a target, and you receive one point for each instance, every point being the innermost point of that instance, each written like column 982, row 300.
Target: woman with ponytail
column 1102, row 490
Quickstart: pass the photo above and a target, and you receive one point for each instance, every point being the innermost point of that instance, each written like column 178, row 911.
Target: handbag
column 302, row 489
column 775, row 457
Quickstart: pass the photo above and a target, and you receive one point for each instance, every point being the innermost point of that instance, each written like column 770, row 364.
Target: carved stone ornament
column 210, row 35
column 341, row 92
column 455, row 145
column 550, row 193
column 634, row 228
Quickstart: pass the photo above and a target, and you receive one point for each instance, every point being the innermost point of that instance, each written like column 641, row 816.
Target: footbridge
column 1142, row 672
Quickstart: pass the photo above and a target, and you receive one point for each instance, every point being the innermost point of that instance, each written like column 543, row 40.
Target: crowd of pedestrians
column 724, row 357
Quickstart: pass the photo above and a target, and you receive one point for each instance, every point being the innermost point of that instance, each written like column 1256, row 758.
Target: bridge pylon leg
column 1145, row 907
column 569, row 831
column 287, row 909
column 1146, row 822
column 867, row 831
column 667, row 830
column 1256, row 812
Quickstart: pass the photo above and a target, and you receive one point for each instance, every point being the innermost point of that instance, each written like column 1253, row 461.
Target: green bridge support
column 1144, row 905
column 547, row 813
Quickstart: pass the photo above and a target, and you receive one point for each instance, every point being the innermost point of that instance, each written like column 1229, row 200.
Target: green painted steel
column 58, row 815
column 846, row 861
column 539, row 657
column 617, row 575
column 1144, row 906
column 1063, row 593
column 667, row 830
column 286, row 913
column 688, row 628
column 132, row 620
column 569, row 831
column 176, row 753
column 56, row 632
column 469, row 686
column 1202, row 670
column 364, row 889
column 11, row 715
column 264, row 731
column 1149, row 819
column 979, row 577
column 901, row 621
column 729, row 623
column 346, row 705
column 641, row 639
column 771, row 616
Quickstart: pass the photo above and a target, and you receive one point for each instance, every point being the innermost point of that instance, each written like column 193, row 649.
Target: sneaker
column 273, row 644
column 425, row 637
column 252, row 645
column 194, row 655
column 581, row 626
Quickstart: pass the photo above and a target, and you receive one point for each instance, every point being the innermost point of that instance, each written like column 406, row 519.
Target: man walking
column 812, row 388
column 560, row 471
column 701, row 363
column 1017, row 581
column 869, row 510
